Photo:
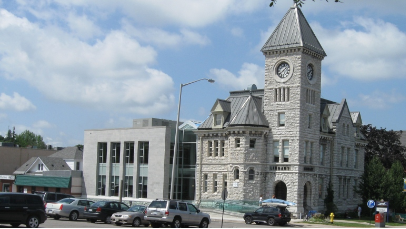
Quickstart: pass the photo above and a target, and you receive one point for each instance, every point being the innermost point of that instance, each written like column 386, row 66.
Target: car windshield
column 66, row 200
column 158, row 204
column 136, row 208
column 99, row 204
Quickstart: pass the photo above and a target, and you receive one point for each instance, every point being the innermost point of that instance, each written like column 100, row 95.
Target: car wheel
column 32, row 222
column 155, row 225
column 73, row 216
column 108, row 220
column 271, row 221
column 15, row 224
column 248, row 220
column 118, row 224
column 282, row 223
column 136, row 222
column 204, row 223
column 176, row 223
column 57, row 217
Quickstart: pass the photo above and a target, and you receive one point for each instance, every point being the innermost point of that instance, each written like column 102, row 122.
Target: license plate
column 90, row 210
column 49, row 211
column 154, row 213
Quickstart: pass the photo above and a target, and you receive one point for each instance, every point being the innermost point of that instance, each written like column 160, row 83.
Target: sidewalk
column 229, row 216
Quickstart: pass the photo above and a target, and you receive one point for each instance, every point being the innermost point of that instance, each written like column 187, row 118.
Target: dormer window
column 324, row 124
column 41, row 167
column 217, row 119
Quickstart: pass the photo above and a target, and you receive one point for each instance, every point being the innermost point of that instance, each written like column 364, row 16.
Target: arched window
column 251, row 174
column 236, row 174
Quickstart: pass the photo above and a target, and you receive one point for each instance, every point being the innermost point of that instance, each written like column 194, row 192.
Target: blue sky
column 68, row 66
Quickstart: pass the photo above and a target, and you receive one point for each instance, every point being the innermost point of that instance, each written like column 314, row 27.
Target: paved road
column 228, row 222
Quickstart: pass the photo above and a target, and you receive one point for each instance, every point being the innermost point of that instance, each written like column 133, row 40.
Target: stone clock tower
column 292, row 92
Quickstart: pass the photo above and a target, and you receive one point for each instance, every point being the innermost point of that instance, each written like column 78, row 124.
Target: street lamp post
column 175, row 147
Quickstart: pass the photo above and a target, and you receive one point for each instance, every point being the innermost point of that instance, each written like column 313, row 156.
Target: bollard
column 331, row 218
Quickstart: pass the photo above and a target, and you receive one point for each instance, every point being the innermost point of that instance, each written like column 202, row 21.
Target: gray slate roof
column 68, row 153
column 52, row 163
column 293, row 31
column 245, row 109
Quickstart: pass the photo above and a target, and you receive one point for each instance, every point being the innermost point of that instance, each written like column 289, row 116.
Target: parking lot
column 228, row 222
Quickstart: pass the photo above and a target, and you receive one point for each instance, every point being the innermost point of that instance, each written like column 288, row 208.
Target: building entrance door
column 281, row 190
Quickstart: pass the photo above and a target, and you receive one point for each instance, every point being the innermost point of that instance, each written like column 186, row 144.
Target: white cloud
column 249, row 74
column 184, row 13
column 82, row 27
column 365, row 49
column 380, row 100
column 112, row 74
column 3, row 116
column 42, row 124
column 15, row 102
column 164, row 39
column 327, row 81
column 237, row 32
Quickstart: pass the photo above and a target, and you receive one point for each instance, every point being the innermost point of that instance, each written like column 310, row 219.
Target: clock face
column 309, row 72
column 283, row 70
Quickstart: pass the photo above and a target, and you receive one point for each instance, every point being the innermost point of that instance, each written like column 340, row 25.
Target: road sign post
column 224, row 195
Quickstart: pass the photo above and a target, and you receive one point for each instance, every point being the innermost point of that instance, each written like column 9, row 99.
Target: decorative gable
column 221, row 109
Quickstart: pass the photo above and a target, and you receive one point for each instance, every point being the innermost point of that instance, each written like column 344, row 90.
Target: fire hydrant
column 331, row 217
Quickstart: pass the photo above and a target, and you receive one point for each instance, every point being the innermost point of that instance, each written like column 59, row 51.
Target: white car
column 71, row 208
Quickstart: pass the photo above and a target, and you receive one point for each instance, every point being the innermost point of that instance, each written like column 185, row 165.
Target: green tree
column 371, row 185
column 298, row 2
column 394, row 187
column 329, row 200
column 80, row 146
column 28, row 138
column 10, row 137
column 383, row 144
column 1, row 138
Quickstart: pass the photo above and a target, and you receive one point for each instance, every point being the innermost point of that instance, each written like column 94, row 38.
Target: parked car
column 133, row 216
column 176, row 214
column 51, row 197
column 72, row 208
column 21, row 208
column 269, row 214
column 102, row 210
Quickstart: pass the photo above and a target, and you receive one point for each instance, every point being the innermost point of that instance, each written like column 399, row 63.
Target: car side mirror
column 198, row 210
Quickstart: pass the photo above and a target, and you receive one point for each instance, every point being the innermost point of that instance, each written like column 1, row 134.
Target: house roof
column 249, row 113
column 245, row 109
column 293, row 31
column 51, row 163
column 69, row 153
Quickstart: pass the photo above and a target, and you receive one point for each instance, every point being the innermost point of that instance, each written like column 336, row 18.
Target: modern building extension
column 137, row 161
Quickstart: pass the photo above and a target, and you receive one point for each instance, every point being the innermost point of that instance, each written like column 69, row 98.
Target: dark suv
column 21, row 208
column 50, row 197
column 102, row 210
column 270, row 215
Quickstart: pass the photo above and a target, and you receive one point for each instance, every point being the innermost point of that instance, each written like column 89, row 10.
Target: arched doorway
column 307, row 193
column 281, row 190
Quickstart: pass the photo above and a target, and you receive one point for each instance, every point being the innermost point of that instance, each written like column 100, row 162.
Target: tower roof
column 293, row 31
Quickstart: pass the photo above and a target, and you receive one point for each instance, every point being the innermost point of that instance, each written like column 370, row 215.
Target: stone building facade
column 283, row 140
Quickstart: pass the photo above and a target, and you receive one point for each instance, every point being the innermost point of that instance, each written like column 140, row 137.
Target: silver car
column 133, row 216
column 71, row 208
column 175, row 214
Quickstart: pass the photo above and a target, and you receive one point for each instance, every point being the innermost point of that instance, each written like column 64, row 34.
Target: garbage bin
column 379, row 220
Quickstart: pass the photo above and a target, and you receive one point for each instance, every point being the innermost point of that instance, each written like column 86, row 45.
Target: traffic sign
column 224, row 194
column 371, row 203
